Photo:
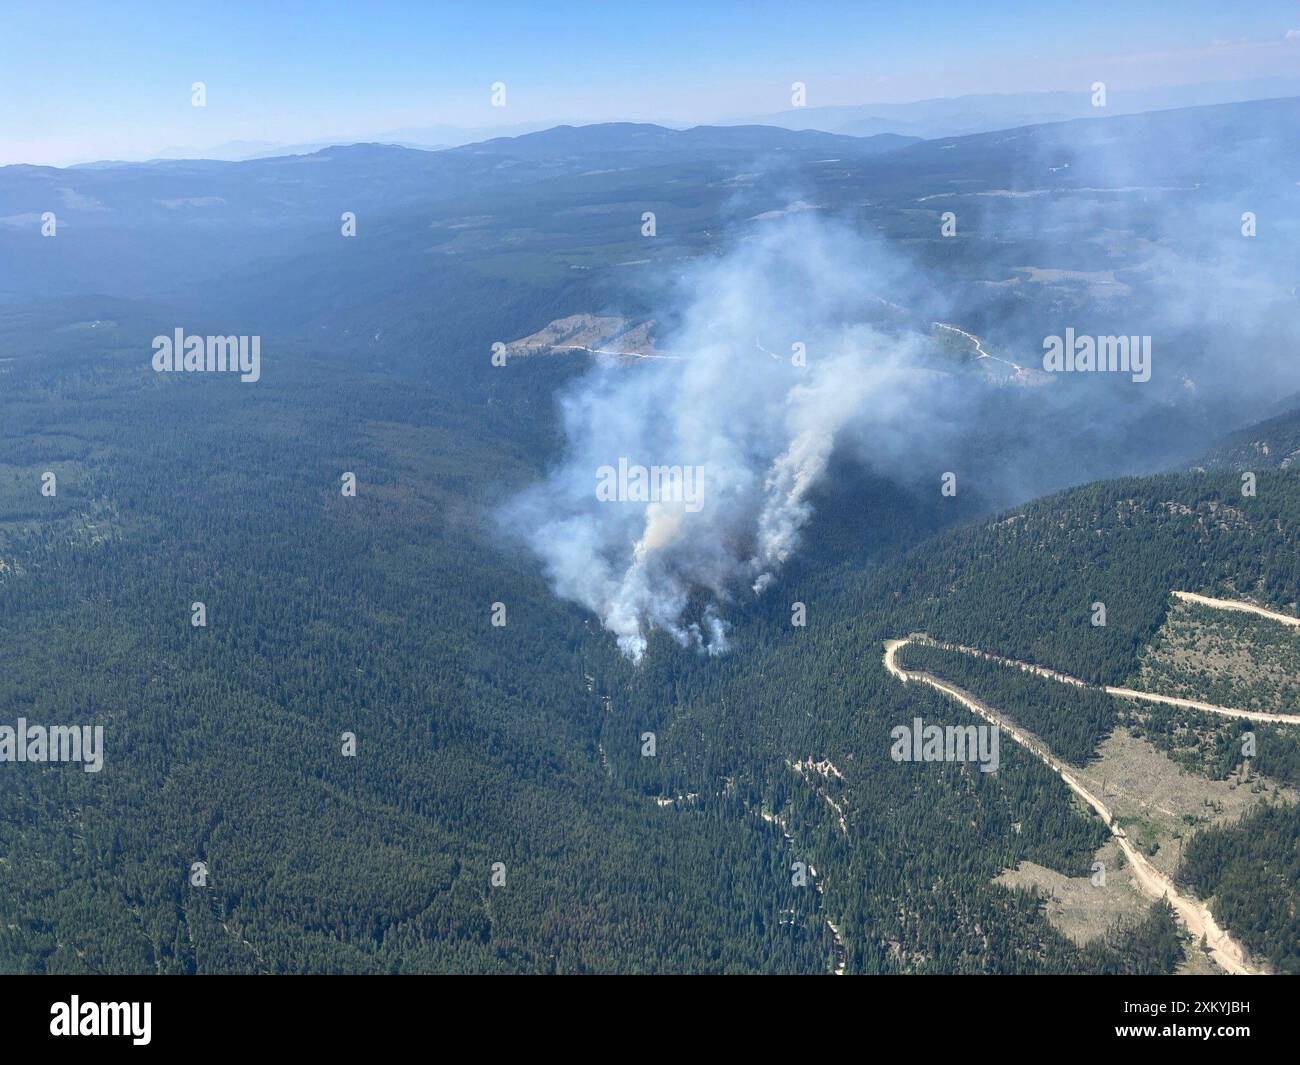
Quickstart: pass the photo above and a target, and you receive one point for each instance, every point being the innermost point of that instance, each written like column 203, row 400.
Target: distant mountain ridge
column 640, row 136
column 985, row 113
column 926, row 119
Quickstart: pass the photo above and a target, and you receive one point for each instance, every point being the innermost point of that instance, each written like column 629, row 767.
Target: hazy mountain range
column 940, row 117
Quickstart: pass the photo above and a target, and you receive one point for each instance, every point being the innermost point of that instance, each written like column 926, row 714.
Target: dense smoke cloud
column 738, row 406
column 1133, row 227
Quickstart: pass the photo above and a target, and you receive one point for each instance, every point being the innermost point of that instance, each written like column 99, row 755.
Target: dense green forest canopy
column 521, row 798
column 521, row 744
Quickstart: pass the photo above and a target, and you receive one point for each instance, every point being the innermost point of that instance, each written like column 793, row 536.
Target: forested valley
column 523, row 744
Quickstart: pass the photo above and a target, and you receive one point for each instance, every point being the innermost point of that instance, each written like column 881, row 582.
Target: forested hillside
column 361, row 732
column 1025, row 585
column 324, row 615
column 1021, row 585
column 1251, row 869
column 1131, row 542
column 1071, row 720
column 475, row 744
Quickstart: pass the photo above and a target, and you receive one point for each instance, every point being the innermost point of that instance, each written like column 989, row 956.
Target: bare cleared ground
column 1083, row 911
column 1158, row 803
column 594, row 334
column 575, row 329
column 1075, row 906
column 1152, row 798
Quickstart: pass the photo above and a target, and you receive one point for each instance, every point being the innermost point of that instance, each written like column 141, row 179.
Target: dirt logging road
column 1238, row 605
column 1191, row 911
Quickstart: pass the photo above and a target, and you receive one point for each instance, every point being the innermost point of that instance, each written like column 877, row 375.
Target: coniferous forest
column 522, row 745
column 385, row 686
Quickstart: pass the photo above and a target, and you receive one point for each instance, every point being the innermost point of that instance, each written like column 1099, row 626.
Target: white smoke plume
column 736, row 404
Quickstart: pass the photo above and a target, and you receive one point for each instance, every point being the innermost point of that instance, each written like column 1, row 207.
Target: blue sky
column 97, row 80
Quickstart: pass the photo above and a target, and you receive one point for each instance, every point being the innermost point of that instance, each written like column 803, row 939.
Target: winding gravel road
column 1194, row 914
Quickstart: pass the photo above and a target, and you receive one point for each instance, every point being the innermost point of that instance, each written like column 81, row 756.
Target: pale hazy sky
column 85, row 81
